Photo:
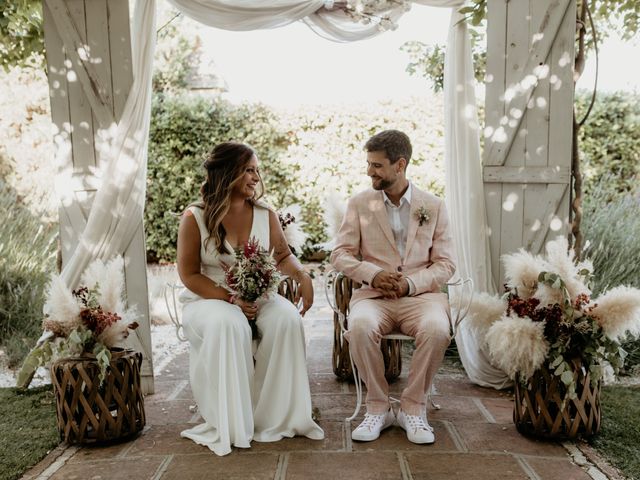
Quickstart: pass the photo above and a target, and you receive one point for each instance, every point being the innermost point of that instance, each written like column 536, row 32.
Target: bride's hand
column 250, row 309
column 305, row 291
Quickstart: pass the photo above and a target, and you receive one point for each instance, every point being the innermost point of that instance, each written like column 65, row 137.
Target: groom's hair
column 393, row 143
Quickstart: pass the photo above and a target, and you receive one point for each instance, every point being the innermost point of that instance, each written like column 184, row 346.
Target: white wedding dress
column 237, row 400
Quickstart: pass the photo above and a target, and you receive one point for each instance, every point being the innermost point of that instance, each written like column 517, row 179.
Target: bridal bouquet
column 548, row 318
column 252, row 275
column 92, row 319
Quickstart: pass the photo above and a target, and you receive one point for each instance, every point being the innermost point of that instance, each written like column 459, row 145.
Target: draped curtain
column 119, row 201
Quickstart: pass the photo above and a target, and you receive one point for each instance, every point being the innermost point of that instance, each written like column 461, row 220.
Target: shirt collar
column 406, row 197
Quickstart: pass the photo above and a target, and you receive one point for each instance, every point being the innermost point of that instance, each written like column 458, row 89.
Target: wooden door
column 528, row 125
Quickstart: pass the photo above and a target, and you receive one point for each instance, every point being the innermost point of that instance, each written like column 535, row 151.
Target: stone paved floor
column 475, row 437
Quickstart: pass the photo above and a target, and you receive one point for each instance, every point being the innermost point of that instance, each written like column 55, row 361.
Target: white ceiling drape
column 119, row 202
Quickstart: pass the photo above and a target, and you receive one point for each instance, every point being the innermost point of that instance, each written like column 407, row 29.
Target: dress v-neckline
column 253, row 224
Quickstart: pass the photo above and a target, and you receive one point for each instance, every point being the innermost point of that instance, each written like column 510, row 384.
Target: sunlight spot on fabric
column 556, row 224
column 515, row 113
column 541, row 102
column 469, row 112
column 71, row 76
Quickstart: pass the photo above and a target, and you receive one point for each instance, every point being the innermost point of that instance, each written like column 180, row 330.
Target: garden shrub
column 611, row 225
column 27, row 257
column 305, row 153
column 327, row 154
column 610, row 140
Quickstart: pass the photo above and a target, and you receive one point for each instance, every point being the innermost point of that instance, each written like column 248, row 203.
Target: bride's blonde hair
column 225, row 166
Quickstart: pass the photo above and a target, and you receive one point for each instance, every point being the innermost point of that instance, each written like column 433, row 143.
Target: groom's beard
column 381, row 184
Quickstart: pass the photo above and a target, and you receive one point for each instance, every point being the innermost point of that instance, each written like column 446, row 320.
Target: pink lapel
column 417, row 201
column 380, row 213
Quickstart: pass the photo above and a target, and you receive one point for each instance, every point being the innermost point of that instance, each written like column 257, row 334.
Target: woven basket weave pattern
column 538, row 408
column 92, row 413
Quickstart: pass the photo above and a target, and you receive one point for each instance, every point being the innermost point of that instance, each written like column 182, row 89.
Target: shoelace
column 370, row 421
column 416, row 422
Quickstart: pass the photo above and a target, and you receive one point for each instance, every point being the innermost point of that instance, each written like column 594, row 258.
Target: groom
column 395, row 241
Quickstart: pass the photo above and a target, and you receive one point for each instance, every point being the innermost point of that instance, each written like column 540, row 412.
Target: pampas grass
column 294, row 234
column 484, row 310
column 109, row 280
column 334, row 209
column 61, row 308
column 517, row 345
column 561, row 260
column 522, row 270
column 618, row 312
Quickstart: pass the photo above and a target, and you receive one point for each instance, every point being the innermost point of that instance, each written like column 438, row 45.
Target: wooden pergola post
column 88, row 45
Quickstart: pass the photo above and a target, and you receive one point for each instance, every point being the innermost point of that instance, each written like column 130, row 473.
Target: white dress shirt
column 399, row 217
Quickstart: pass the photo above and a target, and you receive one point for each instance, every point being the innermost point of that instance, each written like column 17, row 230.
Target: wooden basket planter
column 391, row 349
column 89, row 413
column 537, row 408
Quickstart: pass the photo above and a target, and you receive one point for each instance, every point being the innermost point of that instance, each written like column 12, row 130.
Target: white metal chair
column 171, row 292
column 331, row 280
column 287, row 289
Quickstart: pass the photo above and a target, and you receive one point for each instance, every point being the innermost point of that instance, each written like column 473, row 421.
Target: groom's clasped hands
column 391, row 284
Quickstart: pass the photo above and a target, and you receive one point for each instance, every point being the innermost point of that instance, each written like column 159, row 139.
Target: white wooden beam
column 555, row 196
column 554, row 174
column 517, row 95
column 78, row 52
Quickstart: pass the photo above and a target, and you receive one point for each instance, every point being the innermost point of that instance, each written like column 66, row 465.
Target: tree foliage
column 621, row 17
column 21, row 34
column 428, row 61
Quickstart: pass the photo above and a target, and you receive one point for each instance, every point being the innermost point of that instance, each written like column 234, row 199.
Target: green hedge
column 610, row 140
column 306, row 154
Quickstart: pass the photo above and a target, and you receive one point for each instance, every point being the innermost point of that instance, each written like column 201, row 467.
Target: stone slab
column 352, row 466
column 467, row 466
column 491, row 437
column 209, row 466
column 552, row 469
column 140, row 468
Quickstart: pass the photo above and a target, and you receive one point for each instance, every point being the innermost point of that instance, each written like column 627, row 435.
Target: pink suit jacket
column 365, row 244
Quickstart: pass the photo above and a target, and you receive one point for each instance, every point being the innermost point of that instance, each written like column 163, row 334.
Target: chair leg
column 430, row 395
column 358, row 383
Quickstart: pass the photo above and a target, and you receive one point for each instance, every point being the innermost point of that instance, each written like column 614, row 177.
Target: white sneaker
column 372, row 425
column 417, row 428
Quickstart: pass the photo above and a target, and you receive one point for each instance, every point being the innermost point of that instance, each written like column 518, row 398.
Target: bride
column 238, row 399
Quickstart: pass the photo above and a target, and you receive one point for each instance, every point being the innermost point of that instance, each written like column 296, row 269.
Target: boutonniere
column 422, row 214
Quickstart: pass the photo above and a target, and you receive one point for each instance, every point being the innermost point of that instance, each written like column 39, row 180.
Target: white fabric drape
column 465, row 196
column 117, row 209
column 119, row 202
